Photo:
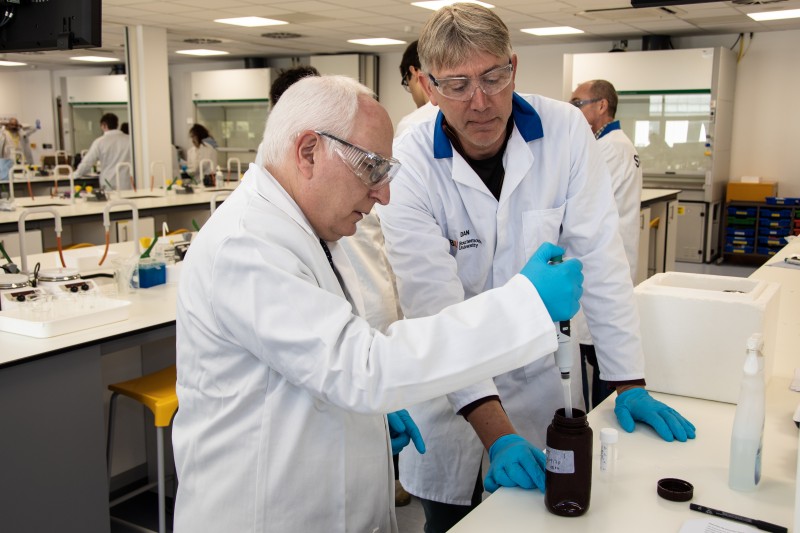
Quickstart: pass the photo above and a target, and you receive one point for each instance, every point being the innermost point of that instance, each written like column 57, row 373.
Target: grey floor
column 410, row 518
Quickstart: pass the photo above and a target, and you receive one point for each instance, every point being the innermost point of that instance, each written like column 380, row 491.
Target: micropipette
column 564, row 363
column 563, row 356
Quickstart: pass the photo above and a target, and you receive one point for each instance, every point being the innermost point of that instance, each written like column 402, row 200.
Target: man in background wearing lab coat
column 14, row 137
column 412, row 81
column 491, row 178
column 597, row 100
column 110, row 149
column 282, row 386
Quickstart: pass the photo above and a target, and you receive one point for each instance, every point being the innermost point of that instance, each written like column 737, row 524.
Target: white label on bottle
column 560, row 461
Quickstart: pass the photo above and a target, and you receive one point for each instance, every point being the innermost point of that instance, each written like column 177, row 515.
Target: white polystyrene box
column 695, row 328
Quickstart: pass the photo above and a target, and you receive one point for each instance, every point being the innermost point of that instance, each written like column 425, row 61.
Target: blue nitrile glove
column 637, row 404
column 515, row 462
column 560, row 285
column 403, row 430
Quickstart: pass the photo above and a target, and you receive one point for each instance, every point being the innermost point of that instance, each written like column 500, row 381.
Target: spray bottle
column 744, row 472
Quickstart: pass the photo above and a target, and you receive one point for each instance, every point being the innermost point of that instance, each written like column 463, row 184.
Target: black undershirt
column 490, row 170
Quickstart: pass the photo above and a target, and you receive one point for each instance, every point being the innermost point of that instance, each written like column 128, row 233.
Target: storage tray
column 740, row 241
column 763, row 250
column 62, row 316
column 776, row 213
column 775, row 223
column 730, row 249
column 777, row 200
column 775, row 232
column 738, row 211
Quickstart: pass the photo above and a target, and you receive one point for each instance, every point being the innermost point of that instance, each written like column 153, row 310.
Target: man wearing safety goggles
column 494, row 176
column 291, row 402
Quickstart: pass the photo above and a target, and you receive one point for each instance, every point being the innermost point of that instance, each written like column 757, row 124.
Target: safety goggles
column 405, row 81
column 463, row 88
column 374, row 170
column 580, row 103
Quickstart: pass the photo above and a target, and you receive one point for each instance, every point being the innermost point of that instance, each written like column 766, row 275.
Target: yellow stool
column 155, row 391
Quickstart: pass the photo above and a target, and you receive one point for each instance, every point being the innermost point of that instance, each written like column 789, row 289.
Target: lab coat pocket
column 541, row 225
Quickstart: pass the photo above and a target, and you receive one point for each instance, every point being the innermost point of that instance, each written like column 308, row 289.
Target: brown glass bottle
column 569, row 464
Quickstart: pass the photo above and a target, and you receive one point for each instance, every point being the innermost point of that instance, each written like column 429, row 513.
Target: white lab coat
column 282, row 389
column 195, row 154
column 626, row 182
column 111, row 148
column 367, row 255
column 21, row 143
column 421, row 114
column 448, row 239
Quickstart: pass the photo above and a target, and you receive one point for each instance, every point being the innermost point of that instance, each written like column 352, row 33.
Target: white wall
column 28, row 96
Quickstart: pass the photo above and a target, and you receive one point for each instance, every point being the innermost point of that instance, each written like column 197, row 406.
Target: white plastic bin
column 695, row 328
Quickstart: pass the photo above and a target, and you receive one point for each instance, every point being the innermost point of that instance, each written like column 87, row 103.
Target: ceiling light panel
column 437, row 4
column 775, row 15
column 251, row 22
column 555, row 30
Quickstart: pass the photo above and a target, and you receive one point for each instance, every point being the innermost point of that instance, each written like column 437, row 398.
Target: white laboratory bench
column 52, row 395
column 628, row 500
column 147, row 202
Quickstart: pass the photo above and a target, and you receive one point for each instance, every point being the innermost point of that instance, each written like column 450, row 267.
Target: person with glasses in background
column 412, row 81
column 282, row 385
column 14, row 137
column 494, row 176
column 597, row 99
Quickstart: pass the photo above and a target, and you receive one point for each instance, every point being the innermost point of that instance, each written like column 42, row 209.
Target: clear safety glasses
column 374, row 170
column 463, row 88
column 580, row 103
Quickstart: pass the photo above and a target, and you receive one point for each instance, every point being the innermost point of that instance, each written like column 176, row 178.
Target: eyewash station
column 696, row 333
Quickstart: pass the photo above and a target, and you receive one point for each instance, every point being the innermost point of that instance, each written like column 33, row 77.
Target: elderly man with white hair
column 283, row 388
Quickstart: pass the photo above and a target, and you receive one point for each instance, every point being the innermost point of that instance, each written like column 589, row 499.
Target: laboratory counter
column 53, row 398
column 627, row 500
column 81, row 210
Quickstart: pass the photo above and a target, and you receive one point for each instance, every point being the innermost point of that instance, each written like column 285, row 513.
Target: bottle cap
column 755, row 342
column 675, row 490
column 609, row 435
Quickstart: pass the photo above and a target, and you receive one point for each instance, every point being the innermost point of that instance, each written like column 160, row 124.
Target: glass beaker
column 126, row 274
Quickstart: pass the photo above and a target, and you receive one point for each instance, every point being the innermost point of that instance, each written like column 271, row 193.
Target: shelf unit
column 754, row 231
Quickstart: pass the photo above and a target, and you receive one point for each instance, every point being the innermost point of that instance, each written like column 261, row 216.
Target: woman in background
column 203, row 147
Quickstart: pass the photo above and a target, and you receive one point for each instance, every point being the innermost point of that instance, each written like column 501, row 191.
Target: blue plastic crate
column 775, row 223
column 739, row 249
column 777, row 200
column 775, row 232
column 741, row 232
column 740, row 241
column 776, row 213
column 742, row 211
column 772, row 242
column 767, row 251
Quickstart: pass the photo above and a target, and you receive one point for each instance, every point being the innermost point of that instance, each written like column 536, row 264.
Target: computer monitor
column 34, row 25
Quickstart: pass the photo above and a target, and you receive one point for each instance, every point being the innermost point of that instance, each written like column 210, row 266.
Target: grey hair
column 605, row 89
column 455, row 32
column 323, row 103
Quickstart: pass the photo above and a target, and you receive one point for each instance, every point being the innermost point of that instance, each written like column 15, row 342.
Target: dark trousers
column 440, row 517
column 600, row 389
